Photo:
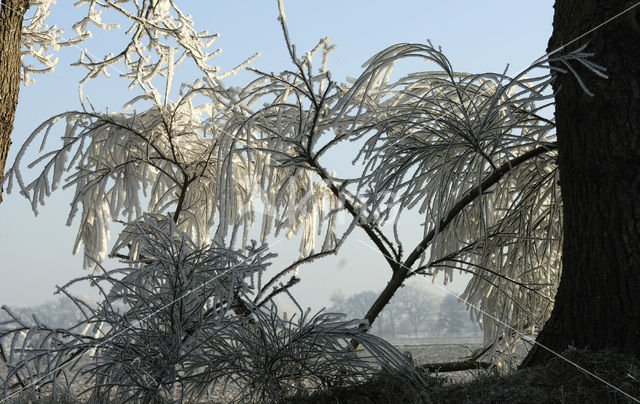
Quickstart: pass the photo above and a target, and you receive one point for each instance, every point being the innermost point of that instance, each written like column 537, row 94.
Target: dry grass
column 556, row 382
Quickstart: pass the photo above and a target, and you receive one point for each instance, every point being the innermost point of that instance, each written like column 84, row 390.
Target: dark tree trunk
column 598, row 300
column 11, row 13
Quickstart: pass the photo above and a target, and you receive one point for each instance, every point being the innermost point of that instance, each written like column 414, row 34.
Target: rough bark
column 11, row 14
column 598, row 300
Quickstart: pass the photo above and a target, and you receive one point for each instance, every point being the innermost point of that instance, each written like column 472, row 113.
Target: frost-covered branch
column 165, row 331
column 496, row 175
column 39, row 40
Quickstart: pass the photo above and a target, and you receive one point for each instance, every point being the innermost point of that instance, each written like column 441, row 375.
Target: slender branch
column 293, row 281
column 316, row 118
column 291, row 267
column 183, row 194
column 397, row 253
column 442, row 262
column 355, row 212
column 5, row 360
column 402, row 269
column 472, row 194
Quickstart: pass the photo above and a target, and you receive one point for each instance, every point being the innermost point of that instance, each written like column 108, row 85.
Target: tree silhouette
column 599, row 162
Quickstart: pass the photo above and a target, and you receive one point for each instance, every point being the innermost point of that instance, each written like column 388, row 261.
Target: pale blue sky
column 476, row 36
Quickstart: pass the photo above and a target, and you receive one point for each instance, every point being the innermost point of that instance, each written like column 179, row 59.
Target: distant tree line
column 414, row 311
column 57, row 313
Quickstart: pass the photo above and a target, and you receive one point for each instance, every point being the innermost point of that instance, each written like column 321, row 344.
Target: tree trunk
column 11, row 13
column 598, row 300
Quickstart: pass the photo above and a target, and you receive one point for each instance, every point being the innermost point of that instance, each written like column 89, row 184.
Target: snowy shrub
column 178, row 324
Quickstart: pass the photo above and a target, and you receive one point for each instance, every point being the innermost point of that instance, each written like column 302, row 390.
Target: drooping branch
column 402, row 269
column 471, row 195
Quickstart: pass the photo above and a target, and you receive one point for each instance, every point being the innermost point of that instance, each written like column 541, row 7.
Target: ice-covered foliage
column 159, row 36
column 180, row 158
column 473, row 154
column 38, row 40
column 179, row 325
